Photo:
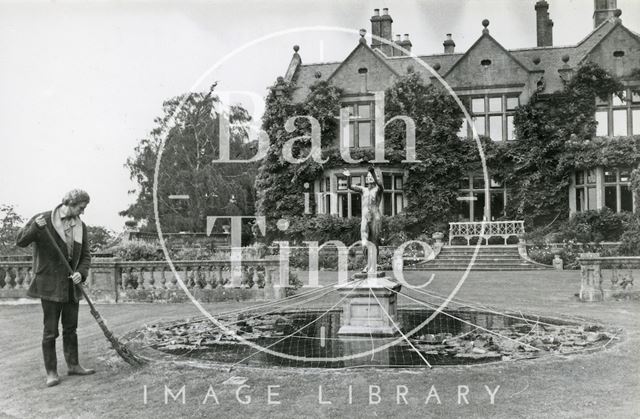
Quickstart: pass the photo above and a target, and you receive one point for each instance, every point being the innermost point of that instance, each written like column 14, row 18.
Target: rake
column 124, row 352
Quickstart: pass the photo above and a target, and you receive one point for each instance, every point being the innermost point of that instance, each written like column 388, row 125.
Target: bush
column 630, row 239
column 135, row 250
column 595, row 226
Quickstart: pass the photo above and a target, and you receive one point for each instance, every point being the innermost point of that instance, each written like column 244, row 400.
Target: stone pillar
column 103, row 280
column 591, row 278
column 558, row 263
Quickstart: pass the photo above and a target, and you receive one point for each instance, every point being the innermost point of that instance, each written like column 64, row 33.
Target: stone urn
column 437, row 237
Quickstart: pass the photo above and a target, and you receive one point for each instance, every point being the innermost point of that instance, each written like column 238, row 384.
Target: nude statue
column 371, row 223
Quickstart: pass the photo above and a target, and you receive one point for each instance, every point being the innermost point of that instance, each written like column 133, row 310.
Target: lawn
column 601, row 384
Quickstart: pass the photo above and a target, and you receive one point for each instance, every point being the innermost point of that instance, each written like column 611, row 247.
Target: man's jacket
column 52, row 280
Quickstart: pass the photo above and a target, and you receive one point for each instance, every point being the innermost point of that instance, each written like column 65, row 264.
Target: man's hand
column 40, row 221
column 76, row 277
column 346, row 172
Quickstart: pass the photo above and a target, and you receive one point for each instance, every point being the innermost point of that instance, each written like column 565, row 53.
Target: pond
column 310, row 339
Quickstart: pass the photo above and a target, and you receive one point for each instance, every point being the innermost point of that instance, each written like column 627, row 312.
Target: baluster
column 7, row 279
column 152, row 279
column 141, row 273
column 124, row 278
column 19, row 277
column 27, row 277
column 255, row 277
column 11, row 282
column 208, row 278
column 162, row 280
column 219, row 280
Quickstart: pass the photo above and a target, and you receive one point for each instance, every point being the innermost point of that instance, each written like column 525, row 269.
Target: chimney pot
column 406, row 36
column 449, row 45
column 376, row 12
column 397, row 37
column 385, row 11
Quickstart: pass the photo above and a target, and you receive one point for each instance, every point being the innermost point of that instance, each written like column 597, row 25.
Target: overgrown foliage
column 190, row 132
column 554, row 134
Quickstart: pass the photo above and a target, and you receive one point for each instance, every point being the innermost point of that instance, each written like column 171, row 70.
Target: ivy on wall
column 555, row 136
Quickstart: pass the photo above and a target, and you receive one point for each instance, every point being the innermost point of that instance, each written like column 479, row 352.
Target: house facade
column 492, row 81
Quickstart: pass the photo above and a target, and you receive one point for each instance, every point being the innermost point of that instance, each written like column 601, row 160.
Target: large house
column 493, row 81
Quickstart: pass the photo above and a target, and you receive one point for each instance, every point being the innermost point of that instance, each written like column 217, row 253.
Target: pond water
column 450, row 338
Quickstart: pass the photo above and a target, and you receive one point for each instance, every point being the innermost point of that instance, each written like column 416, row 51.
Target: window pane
column 635, row 96
column 512, row 103
column 477, row 105
column 580, row 178
column 626, row 198
column 617, row 101
column 478, row 122
column 580, row 197
column 356, row 205
column 610, row 176
column 327, row 204
column 364, row 111
column 386, row 181
column 620, row 122
column 625, row 175
column 364, row 134
column 321, row 185
column 398, row 183
column 591, row 176
column 494, row 183
column 388, row 203
column 356, row 180
column 511, row 131
column 497, row 204
column 342, row 183
column 600, row 102
column 463, row 183
column 478, row 182
column 495, row 104
column 399, row 205
column 635, row 121
column 495, row 127
column 343, row 205
column 591, row 192
column 603, row 123
column 464, row 209
column 611, row 198
column 352, row 134
column 327, row 184
column 478, row 206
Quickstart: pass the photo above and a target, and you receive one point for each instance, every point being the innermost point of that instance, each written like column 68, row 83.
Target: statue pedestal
column 370, row 307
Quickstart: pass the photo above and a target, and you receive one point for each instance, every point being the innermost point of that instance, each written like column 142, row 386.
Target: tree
column 99, row 237
column 9, row 226
column 190, row 131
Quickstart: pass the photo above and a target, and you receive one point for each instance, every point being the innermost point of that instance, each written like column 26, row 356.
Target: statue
column 371, row 223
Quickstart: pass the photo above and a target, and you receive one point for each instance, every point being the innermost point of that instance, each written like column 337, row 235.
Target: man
column 371, row 223
column 58, row 291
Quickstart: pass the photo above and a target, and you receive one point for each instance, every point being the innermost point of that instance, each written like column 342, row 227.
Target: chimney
column 449, row 45
column 403, row 43
column 385, row 31
column 603, row 10
column 375, row 28
column 544, row 25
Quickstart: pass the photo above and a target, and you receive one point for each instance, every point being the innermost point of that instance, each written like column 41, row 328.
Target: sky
column 81, row 82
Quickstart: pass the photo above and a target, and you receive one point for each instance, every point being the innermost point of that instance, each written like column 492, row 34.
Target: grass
column 601, row 384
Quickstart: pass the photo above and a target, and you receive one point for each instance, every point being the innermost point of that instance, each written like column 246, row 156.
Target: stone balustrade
column 486, row 230
column 113, row 280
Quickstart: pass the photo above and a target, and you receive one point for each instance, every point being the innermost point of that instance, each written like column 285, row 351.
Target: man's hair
column 75, row 197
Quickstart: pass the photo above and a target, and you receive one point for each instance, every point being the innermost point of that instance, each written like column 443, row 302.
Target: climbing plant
column 555, row 133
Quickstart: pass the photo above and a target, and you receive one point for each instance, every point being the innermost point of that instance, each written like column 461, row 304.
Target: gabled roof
column 615, row 23
column 485, row 35
column 362, row 45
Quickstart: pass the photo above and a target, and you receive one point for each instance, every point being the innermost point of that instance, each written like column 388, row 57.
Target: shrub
column 630, row 239
column 135, row 250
